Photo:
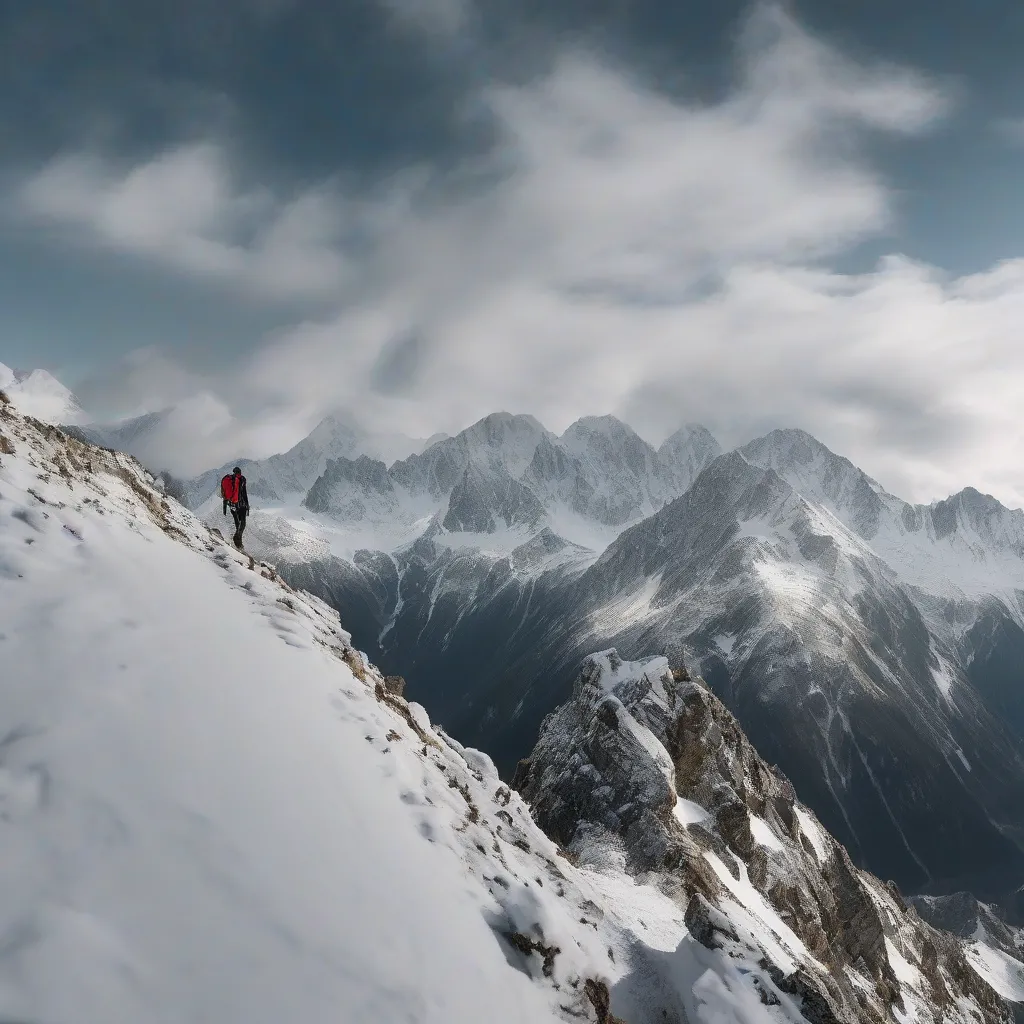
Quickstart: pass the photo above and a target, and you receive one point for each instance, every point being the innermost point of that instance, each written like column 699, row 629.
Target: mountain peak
column 601, row 433
column 497, row 425
column 606, row 424
column 820, row 475
column 689, row 432
column 39, row 394
column 793, row 441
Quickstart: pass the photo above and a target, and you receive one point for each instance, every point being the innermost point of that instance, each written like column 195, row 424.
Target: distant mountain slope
column 817, row 646
column 871, row 647
column 38, row 393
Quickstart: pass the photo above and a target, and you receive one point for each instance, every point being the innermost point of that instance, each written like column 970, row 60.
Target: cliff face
column 647, row 762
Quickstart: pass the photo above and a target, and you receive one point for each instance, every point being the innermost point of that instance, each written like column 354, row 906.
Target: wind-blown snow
column 1001, row 971
column 763, row 833
column 944, row 677
column 905, row 971
column 756, row 913
column 689, row 813
column 630, row 609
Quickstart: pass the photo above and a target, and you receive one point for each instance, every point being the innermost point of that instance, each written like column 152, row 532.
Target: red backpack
column 230, row 488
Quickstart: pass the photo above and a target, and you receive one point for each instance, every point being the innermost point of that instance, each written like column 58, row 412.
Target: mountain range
column 213, row 807
column 871, row 647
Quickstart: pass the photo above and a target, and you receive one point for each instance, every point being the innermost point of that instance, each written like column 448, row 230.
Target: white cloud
column 184, row 209
column 628, row 251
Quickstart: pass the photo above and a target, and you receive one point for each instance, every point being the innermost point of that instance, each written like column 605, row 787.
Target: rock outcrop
column 646, row 760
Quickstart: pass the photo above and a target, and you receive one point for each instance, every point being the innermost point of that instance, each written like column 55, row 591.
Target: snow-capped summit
column 38, row 393
column 685, row 453
column 514, row 436
column 821, row 476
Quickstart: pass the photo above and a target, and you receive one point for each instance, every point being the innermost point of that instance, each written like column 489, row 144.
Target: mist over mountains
column 867, row 644
column 870, row 646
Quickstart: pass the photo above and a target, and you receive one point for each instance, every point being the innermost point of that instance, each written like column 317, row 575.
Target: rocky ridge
column 645, row 766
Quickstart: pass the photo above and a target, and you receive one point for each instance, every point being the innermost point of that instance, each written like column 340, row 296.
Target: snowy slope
column 207, row 815
column 38, row 393
column 201, row 818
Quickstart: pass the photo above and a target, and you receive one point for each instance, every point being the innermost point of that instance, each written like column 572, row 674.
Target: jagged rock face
column 356, row 488
column 482, row 502
column 599, row 470
column 647, row 759
column 961, row 914
column 602, row 469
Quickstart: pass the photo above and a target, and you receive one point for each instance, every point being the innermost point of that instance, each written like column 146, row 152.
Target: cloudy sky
column 421, row 211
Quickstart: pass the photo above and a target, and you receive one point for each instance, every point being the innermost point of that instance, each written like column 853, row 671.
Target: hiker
column 235, row 495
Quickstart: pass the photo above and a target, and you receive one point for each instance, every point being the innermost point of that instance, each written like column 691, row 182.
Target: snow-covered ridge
column 214, row 809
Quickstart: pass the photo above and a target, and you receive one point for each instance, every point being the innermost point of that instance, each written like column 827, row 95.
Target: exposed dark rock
column 611, row 765
column 707, row 924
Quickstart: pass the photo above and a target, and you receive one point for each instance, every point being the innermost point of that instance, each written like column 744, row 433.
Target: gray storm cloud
column 617, row 250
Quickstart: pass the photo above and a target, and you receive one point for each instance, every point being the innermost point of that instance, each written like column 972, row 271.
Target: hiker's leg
column 239, row 518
